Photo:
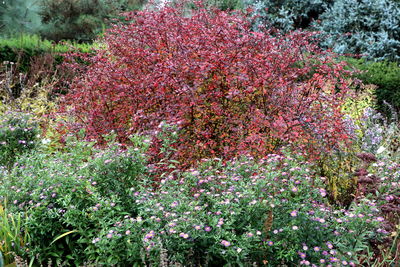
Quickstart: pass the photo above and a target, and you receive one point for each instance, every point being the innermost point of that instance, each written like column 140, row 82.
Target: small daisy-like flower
column 329, row 245
column 128, row 232
column 184, row 235
column 295, row 189
column 295, row 227
column 316, row 249
column 302, row 255
column 380, row 219
column 258, row 233
column 304, row 262
column 270, row 243
column 109, row 235
column 333, row 259
column 250, row 234
column 322, row 192
column 207, row 228
column 293, row 213
column 225, row 243
column 149, row 235
column 197, row 227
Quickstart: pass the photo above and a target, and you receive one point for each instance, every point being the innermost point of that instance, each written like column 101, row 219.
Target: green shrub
column 386, row 76
column 17, row 135
column 81, row 20
column 24, row 49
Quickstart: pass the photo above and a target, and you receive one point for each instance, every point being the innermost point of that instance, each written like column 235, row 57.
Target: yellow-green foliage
column 338, row 169
column 357, row 103
column 34, row 100
column 16, row 93
column 361, row 99
column 35, row 42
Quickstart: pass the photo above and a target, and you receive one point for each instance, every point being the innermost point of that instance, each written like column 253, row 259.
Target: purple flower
column 207, row 228
column 293, row 213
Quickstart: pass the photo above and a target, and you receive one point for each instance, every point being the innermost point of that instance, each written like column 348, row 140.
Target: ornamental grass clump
column 229, row 90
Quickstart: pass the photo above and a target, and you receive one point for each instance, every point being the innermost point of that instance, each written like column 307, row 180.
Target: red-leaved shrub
column 229, row 89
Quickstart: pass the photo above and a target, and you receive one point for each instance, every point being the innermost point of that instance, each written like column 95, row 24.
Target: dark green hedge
column 384, row 74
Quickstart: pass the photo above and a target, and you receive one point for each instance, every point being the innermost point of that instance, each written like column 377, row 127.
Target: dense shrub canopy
column 228, row 89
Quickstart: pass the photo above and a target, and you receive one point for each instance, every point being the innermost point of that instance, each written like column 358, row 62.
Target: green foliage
column 367, row 27
column 13, row 236
column 386, row 76
column 288, row 14
column 24, row 49
column 226, row 4
column 17, row 135
column 81, row 20
column 19, row 16
column 69, row 191
column 238, row 212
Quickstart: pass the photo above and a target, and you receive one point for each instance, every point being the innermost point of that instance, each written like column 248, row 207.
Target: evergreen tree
column 19, row 16
column 81, row 20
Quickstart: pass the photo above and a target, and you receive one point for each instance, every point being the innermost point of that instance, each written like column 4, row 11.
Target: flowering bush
column 18, row 134
column 228, row 89
column 238, row 212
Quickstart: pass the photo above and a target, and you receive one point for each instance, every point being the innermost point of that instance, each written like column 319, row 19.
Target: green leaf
column 61, row 236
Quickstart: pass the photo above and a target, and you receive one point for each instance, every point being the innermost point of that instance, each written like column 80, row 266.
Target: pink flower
column 184, row 235
column 225, row 243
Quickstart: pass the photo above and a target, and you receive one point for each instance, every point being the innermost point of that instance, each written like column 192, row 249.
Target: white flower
column 380, row 150
column 45, row 141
